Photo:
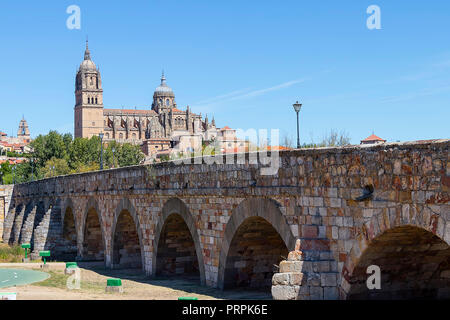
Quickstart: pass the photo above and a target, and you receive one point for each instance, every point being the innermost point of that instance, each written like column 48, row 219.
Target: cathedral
column 161, row 128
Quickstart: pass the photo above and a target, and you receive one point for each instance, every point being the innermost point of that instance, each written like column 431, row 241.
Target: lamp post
column 113, row 151
column 297, row 107
column 32, row 169
column 101, row 148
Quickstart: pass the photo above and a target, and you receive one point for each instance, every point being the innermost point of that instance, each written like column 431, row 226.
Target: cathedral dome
column 164, row 89
column 87, row 64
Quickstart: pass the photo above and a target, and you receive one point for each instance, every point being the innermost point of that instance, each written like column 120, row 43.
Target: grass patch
column 59, row 280
column 11, row 253
column 56, row 280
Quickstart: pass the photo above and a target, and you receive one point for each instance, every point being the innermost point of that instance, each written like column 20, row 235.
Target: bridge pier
column 307, row 274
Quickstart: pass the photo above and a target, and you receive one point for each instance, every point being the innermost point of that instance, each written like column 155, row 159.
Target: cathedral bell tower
column 88, row 99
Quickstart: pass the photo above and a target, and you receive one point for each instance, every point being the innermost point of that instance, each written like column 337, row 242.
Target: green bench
column 26, row 246
column 44, row 254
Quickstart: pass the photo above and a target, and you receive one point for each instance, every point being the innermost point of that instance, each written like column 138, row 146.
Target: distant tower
column 88, row 99
column 163, row 97
column 23, row 132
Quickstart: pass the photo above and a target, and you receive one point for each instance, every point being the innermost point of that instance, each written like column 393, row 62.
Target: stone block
column 280, row 279
column 316, row 293
column 330, row 293
column 285, row 292
column 295, row 278
column 295, row 256
column 328, row 279
column 291, row 266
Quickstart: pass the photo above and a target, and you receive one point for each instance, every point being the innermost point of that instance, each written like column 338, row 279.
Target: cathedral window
column 89, row 100
column 121, row 136
column 96, row 101
column 167, row 102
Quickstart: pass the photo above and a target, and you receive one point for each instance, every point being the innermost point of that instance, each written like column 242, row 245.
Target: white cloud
column 241, row 94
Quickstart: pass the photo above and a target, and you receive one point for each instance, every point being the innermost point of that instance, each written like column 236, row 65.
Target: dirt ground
column 136, row 286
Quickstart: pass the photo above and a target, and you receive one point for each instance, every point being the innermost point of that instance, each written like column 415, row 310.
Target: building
column 19, row 144
column 161, row 127
column 373, row 139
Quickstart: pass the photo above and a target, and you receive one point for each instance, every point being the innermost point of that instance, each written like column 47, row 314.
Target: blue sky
column 245, row 62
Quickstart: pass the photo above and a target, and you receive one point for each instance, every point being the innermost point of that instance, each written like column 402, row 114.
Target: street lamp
column 101, row 152
column 297, row 107
column 32, row 169
column 113, row 151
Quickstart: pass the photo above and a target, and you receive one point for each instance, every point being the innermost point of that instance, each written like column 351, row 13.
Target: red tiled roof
column 177, row 110
column 12, row 161
column 373, row 138
column 226, row 128
column 279, row 148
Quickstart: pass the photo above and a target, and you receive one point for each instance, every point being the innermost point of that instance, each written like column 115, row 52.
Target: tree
column 55, row 167
column 335, row 139
column 6, row 173
column 130, row 155
column 49, row 146
column 286, row 141
column 68, row 156
column 331, row 139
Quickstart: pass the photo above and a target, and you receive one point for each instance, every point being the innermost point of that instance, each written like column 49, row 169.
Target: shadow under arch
column 171, row 207
column 69, row 204
column 20, row 232
column 12, row 219
column 268, row 210
column 69, row 231
column 413, row 262
column 91, row 207
column 125, row 205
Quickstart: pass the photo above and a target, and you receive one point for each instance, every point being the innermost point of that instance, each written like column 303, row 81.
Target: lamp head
column 297, row 106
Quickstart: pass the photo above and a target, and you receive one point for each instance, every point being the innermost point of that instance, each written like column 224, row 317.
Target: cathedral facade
column 161, row 127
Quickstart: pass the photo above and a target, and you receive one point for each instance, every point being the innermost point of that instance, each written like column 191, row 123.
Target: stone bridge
column 229, row 226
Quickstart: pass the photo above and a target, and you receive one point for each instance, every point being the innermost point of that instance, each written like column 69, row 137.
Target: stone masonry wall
column 313, row 198
column 5, row 199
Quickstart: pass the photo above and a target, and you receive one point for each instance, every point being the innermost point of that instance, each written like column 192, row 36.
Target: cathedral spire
column 87, row 54
column 163, row 79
